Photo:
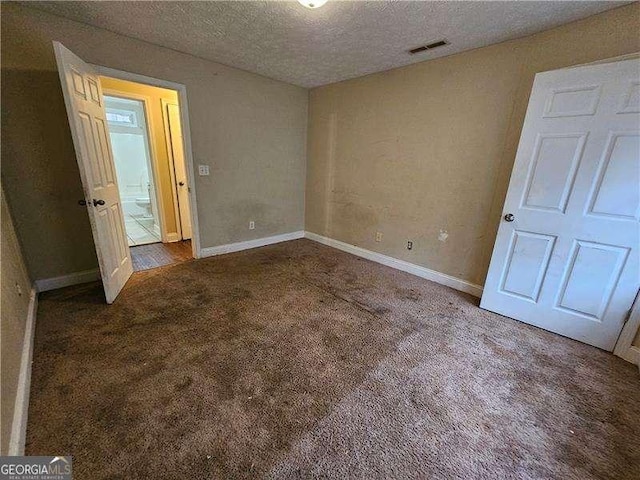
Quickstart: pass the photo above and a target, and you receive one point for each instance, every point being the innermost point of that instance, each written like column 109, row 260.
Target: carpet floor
column 300, row 361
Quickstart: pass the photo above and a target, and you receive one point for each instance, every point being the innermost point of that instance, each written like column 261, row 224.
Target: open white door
column 87, row 119
column 566, row 254
column 179, row 165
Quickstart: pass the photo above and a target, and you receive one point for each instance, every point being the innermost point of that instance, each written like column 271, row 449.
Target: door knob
column 97, row 202
column 82, row 202
column 509, row 217
column 181, row 184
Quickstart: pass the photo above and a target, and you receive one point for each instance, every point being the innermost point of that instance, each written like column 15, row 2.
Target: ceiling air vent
column 430, row 46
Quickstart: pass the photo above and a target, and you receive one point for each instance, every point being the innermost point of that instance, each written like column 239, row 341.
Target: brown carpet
column 301, row 361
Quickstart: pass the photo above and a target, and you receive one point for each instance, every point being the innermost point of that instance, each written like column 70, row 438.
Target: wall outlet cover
column 203, row 170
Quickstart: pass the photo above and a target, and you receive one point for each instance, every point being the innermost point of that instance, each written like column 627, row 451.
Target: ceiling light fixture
column 312, row 3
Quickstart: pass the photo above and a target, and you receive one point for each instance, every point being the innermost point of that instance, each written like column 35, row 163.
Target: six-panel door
column 568, row 262
column 87, row 120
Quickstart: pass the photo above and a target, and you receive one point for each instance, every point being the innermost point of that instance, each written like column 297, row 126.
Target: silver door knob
column 509, row 217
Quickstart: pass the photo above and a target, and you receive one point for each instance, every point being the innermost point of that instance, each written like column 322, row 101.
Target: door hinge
column 627, row 316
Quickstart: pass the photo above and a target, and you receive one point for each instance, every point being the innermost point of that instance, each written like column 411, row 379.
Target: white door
column 87, row 119
column 177, row 151
column 566, row 254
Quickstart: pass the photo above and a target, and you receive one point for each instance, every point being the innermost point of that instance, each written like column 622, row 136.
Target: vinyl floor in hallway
column 156, row 255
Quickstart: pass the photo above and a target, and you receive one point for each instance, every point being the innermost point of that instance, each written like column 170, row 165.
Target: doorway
column 129, row 138
column 145, row 133
column 85, row 104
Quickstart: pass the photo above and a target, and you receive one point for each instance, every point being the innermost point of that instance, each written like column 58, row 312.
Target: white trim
column 258, row 242
column 632, row 354
column 412, row 268
column 186, row 139
column 624, row 346
column 46, row 284
column 21, row 406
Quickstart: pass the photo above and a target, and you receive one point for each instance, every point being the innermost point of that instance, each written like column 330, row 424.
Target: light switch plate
column 203, row 170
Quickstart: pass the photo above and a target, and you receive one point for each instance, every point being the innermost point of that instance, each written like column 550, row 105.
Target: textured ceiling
column 343, row 39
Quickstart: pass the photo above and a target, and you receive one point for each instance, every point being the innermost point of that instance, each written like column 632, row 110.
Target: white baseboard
column 412, row 268
column 21, row 406
column 258, row 242
column 46, row 284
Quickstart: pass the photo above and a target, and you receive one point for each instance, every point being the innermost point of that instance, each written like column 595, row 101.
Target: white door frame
column 624, row 346
column 186, row 138
column 152, row 151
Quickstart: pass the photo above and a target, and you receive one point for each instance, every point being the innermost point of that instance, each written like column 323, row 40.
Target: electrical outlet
column 409, row 245
column 252, row 225
column 378, row 236
column 203, row 170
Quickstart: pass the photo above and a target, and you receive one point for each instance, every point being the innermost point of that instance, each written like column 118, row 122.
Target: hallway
column 155, row 255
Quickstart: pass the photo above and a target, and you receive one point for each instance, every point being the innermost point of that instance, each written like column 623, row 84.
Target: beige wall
column 250, row 130
column 430, row 147
column 159, row 139
column 13, row 316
